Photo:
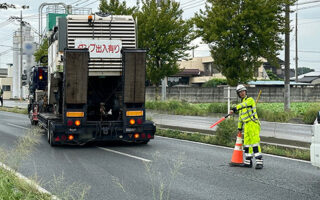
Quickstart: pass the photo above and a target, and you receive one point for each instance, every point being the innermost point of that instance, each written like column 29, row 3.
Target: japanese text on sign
column 100, row 48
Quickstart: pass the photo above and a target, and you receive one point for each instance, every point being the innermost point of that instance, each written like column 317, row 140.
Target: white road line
column 124, row 154
column 28, row 181
column 17, row 126
column 304, row 161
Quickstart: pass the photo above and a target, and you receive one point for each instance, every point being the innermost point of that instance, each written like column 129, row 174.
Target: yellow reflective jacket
column 247, row 111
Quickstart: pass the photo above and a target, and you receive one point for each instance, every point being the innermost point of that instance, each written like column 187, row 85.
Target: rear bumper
column 102, row 131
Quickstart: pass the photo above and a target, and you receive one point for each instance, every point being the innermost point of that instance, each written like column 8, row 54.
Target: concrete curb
column 28, row 181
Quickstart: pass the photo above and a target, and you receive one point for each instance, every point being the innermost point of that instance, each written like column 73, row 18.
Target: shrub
column 226, row 132
column 310, row 115
column 218, row 108
column 215, row 82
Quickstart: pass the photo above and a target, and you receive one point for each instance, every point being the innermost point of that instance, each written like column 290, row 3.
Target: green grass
column 14, row 110
column 304, row 112
column 228, row 140
column 13, row 188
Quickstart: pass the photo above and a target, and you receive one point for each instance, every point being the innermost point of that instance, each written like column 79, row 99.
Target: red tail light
column 57, row 139
column 139, row 121
column 70, row 123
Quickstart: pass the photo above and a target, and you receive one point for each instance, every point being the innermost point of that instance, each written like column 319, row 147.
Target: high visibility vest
column 247, row 111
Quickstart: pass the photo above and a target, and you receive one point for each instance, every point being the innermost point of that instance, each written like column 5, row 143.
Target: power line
column 90, row 3
column 82, row 3
column 76, row 2
column 303, row 8
column 306, row 51
column 192, row 2
column 195, row 4
column 308, row 2
column 316, row 21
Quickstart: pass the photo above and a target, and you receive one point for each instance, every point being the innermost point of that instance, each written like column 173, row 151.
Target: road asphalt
column 184, row 170
column 271, row 132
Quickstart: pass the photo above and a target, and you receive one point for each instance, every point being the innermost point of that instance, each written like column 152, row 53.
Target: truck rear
column 96, row 82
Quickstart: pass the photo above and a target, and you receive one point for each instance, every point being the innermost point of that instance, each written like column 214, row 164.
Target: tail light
column 70, row 137
column 57, row 139
column 77, row 123
column 70, row 123
column 136, row 135
column 40, row 74
column 132, row 122
column 139, row 121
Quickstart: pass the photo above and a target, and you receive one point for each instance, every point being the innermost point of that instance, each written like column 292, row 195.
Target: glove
column 234, row 109
column 239, row 129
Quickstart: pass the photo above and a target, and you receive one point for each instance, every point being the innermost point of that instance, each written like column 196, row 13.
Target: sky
column 308, row 27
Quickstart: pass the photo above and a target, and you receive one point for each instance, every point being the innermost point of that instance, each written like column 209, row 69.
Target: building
column 6, row 82
column 312, row 78
column 29, row 47
column 199, row 70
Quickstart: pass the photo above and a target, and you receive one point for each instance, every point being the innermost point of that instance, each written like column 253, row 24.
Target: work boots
column 259, row 163
column 248, row 163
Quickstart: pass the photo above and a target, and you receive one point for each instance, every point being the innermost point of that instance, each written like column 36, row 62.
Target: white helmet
column 241, row 88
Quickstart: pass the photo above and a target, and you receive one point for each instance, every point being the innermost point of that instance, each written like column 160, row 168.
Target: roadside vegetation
column 302, row 112
column 14, row 110
column 226, row 136
column 12, row 187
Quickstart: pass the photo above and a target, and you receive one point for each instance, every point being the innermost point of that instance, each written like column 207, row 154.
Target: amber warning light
column 134, row 113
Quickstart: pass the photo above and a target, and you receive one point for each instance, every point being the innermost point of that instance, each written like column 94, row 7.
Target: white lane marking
column 28, row 181
column 124, row 154
column 293, row 159
column 17, row 126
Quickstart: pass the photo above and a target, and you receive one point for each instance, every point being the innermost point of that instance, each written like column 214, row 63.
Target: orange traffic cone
column 237, row 156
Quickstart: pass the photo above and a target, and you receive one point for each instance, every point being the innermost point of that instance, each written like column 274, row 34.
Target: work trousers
column 252, row 140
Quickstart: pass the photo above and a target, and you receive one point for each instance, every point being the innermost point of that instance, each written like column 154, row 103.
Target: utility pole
column 21, row 54
column 287, row 59
column 296, row 71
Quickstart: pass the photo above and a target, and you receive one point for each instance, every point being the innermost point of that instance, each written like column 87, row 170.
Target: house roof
column 308, row 77
column 189, row 72
column 267, row 83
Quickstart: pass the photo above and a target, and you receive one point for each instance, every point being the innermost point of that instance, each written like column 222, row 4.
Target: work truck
column 95, row 87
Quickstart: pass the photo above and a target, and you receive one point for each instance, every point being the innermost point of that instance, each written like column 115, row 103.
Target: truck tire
column 50, row 136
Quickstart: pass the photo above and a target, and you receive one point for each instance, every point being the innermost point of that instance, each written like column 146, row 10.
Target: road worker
column 249, row 124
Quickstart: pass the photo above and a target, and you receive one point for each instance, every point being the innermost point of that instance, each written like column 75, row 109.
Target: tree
column 240, row 32
column 116, row 8
column 304, row 70
column 165, row 35
column 42, row 51
column 272, row 76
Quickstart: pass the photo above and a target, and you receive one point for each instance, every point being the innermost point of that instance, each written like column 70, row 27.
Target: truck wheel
column 50, row 136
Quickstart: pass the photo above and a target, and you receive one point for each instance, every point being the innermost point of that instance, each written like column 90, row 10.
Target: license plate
column 130, row 129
